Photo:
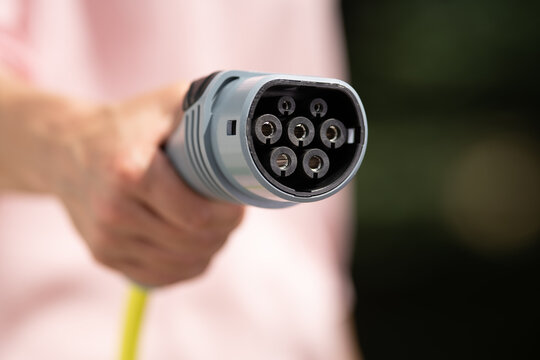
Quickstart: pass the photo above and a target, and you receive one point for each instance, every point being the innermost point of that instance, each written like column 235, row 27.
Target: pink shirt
column 279, row 288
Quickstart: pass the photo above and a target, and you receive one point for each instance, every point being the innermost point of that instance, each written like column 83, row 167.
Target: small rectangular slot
column 231, row 127
column 350, row 136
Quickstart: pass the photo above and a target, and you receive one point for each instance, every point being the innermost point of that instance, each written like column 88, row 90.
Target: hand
column 130, row 206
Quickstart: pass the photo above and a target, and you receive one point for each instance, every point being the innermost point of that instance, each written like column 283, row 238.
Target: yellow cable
column 133, row 320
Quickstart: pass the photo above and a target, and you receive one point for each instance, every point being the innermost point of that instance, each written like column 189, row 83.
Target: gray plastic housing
column 212, row 148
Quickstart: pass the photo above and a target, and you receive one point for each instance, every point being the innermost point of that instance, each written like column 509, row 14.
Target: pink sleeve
column 15, row 46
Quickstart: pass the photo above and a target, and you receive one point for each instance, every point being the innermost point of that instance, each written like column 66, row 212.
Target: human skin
column 104, row 162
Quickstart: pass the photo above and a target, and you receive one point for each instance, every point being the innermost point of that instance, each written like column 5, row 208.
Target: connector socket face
column 270, row 140
column 325, row 129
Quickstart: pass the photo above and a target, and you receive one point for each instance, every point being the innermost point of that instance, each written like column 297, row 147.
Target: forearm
column 35, row 137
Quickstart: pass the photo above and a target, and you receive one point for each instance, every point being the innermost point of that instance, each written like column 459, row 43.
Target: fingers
column 149, row 275
column 155, row 240
column 150, row 266
column 122, row 216
column 173, row 201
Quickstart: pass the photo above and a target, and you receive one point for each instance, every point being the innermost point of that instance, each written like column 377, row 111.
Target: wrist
column 37, row 131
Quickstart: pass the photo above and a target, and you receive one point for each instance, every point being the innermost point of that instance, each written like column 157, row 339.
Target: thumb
column 169, row 98
column 164, row 104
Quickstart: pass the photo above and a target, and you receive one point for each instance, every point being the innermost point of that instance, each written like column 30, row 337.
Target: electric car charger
column 267, row 140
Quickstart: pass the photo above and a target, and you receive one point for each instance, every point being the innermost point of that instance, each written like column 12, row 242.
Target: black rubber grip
column 197, row 89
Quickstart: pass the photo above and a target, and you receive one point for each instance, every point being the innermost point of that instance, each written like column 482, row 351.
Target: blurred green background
column 447, row 252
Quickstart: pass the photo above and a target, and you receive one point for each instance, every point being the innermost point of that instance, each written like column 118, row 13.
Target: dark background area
column 447, row 252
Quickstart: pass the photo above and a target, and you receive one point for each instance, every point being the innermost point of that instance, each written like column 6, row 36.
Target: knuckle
column 185, row 269
column 170, row 274
column 237, row 211
column 146, row 278
column 102, row 254
column 211, row 242
column 127, row 171
column 236, row 216
column 198, row 268
column 156, row 278
column 155, row 281
column 217, row 217
column 231, row 216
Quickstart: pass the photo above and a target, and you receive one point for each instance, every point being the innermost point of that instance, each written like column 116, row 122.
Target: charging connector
column 269, row 140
